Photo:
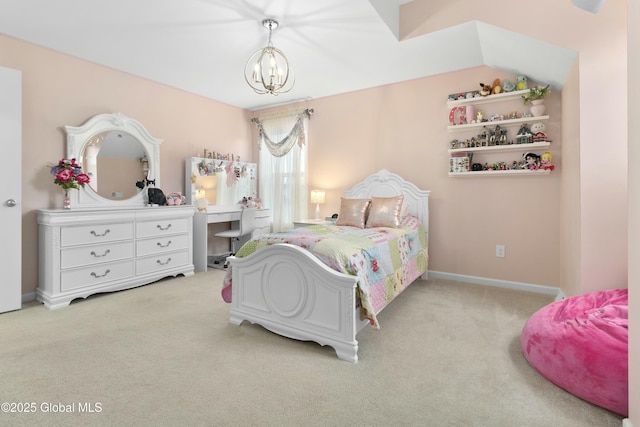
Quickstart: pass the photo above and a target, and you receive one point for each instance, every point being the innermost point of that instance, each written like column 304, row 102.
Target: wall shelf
column 505, row 96
column 463, row 159
column 506, row 122
column 504, row 148
column 500, row 173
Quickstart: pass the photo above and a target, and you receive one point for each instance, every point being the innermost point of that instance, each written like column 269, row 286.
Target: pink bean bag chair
column 581, row 344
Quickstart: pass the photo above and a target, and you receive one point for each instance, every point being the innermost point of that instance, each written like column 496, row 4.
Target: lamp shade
column 317, row 196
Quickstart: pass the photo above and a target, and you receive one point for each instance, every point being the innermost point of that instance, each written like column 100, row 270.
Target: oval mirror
column 115, row 160
column 119, row 155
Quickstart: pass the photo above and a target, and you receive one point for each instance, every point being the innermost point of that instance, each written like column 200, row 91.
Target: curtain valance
column 283, row 146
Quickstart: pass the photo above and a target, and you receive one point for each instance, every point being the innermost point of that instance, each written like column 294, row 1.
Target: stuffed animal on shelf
column 538, row 127
column 521, row 83
column 545, row 161
column 485, row 89
column 509, row 86
column 496, row 88
column 531, row 161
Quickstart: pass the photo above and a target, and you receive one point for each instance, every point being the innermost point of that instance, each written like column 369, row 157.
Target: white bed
column 287, row 290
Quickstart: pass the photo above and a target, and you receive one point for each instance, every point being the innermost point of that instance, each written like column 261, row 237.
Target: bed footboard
column 288, row 291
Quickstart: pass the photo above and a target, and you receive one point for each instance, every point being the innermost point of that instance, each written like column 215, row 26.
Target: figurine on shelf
column 485, row 89
column 496, row 87
column 521, row 83
column 545, row 161
column 503, row 137
column 531, row 161
column 538, row 127
column 524, row 135
column 483, row 137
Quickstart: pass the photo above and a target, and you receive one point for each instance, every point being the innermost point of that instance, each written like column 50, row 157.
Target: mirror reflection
column 222, row 182
column 115, row 161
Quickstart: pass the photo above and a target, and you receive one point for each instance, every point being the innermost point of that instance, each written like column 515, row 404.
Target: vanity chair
column 247, row 225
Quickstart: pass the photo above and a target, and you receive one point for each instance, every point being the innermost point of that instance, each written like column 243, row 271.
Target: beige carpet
column 448, row 354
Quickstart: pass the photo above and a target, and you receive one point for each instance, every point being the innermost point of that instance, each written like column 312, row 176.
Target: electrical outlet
column 500, row 251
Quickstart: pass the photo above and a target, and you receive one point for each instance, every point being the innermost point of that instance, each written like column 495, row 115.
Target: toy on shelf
column 545, row 161
column 496, row 87
column 521, row 83
column 485, row 89
column 509, row 86
column 531, row 161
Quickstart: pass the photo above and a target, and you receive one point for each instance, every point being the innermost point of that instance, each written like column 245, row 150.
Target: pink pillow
column 353, row 212
column 385, row 212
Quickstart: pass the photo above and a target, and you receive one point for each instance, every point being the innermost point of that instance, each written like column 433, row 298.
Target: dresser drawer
column 91, row 234
column 89, row 255
column 162, row 262
column 162, row 227
column 163, row 244
column 95, row 275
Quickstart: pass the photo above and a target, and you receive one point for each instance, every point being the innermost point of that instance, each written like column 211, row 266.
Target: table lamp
column 317, row 197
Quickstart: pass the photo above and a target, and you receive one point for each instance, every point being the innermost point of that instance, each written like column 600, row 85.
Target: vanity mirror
column 221, row 182
column 117, row 152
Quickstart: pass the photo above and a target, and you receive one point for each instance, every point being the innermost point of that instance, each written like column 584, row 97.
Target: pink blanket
column 581, row 345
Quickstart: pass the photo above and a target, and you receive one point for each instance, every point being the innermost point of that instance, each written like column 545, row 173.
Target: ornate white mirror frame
column 81, row 138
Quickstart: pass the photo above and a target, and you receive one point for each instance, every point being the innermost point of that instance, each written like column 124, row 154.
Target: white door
column 11, row 188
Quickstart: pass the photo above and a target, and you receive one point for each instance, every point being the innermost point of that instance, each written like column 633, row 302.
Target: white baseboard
column 626, row 423
column 528, row 287
column 31, row 296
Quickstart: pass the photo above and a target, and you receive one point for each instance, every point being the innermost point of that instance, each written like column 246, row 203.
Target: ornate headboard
column 386, row 184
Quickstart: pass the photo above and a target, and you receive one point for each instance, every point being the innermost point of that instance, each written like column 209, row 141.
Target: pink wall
column 61, row 90
column 403, row 128
column 600, row 40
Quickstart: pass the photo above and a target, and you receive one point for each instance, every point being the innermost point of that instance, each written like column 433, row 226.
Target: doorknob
column 11, row 203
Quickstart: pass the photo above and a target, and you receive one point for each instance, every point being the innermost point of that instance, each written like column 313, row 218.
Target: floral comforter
column 385, row 260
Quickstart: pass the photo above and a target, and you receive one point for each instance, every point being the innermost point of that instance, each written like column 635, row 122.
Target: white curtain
column 282, row 167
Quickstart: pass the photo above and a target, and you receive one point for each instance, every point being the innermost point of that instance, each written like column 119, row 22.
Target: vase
column 66, row 201
column 537, row 107
column 470, row 113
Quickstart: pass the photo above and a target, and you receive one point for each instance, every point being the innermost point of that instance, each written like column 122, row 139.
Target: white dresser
column 87, row 251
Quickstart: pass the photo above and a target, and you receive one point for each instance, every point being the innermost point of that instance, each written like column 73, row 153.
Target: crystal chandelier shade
column 267, row 70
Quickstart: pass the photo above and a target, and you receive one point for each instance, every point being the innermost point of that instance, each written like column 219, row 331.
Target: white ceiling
column 334, row 46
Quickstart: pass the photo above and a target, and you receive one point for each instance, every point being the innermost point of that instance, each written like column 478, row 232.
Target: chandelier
column 267, row 70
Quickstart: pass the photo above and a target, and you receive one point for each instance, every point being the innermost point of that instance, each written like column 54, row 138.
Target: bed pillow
column 353, row 212
column 385, row 212
column 404, row 209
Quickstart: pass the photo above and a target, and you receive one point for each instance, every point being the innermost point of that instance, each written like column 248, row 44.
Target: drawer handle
column 101, row 275
column 164, row 246
column 164, row 263
column 163, row 228
column 107, row 231
column 100, row 256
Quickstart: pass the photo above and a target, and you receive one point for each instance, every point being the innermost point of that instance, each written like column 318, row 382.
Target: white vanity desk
column 218, row 214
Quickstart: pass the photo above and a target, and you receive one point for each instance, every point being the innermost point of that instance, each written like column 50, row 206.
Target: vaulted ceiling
column 334, row 46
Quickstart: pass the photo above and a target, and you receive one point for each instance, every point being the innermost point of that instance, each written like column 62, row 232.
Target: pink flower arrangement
column 68, row 174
